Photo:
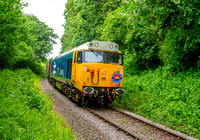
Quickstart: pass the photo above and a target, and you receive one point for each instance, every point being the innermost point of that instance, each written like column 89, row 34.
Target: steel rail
column 127, row 132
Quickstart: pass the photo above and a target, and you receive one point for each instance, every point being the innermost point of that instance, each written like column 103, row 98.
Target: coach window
column 79, row 57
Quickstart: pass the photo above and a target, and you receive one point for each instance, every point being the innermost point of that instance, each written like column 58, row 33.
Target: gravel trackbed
column 84, row 124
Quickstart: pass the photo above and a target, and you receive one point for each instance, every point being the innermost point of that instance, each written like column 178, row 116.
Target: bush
column 25, row 112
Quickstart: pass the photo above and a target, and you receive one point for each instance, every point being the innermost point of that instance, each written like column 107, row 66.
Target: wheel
column 79, row 100
column 87, row 103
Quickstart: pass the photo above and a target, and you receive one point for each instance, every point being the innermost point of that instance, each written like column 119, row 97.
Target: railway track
column 114, row 124
column 167, row 133
column 153, row 130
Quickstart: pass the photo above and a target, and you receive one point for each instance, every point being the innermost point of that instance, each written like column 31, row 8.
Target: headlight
column 116, row 47
column 96, row 44
column 111, row 46
column 91, row 44
column 119, row 91
column 88, row 90
column 104, row 72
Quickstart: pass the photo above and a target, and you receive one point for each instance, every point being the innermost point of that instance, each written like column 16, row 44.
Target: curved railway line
column 139, row 128
column 155, row 130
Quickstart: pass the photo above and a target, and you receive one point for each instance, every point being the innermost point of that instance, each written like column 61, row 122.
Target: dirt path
column 84, row 124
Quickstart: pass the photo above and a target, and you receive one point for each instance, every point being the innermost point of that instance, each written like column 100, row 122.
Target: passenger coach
column 91, row 72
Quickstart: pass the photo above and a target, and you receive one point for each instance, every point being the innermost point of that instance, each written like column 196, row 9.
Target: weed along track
column 136, row 127
column 163, row 129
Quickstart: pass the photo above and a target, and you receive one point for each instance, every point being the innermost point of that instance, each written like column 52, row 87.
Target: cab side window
column 79, row 57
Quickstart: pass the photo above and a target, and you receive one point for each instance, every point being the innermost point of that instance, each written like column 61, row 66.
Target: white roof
column 93, row 45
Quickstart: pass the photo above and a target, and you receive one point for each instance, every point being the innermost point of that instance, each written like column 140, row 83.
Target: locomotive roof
column 94, row 45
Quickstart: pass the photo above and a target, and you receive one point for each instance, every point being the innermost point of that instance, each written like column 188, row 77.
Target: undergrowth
column 166, row 98
column 25, row 112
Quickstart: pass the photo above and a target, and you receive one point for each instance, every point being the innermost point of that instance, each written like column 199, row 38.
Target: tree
column 41, row 37
column 10, row 26
column 83, row 20
column 24, row 40
column 36, row 42
column 157, row 33
column 151, row 33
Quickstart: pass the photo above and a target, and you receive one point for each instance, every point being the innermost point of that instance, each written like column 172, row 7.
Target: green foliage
column 25, row 112
column 172, row 100
column 134, row 35
column 83, row 19
column 178, row 32
column 10, row 26
column 41, row 37
column 154, row 33
column 24, row 40
column 177, row 29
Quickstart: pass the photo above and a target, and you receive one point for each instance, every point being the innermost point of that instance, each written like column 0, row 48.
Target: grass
column 25, row 112
column 170, row 99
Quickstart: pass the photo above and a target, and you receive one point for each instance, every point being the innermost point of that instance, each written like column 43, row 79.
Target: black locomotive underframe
column 102, row 95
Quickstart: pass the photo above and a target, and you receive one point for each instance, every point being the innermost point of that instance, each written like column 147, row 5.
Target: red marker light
column 92, row 70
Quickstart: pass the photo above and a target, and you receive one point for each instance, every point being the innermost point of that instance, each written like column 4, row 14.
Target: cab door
column 74, row 67
column 66, row 69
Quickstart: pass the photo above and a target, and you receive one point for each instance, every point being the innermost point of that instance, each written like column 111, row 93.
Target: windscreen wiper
column 94, row 52
column 113, row 53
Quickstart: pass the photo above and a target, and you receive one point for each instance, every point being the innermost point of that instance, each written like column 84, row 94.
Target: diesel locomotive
column 91, row 72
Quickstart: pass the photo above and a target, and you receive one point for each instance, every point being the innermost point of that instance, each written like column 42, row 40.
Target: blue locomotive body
column 62, row 67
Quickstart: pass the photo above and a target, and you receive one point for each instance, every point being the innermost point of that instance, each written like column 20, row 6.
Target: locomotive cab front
column 98, row 72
